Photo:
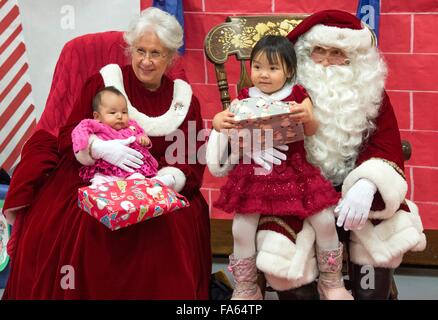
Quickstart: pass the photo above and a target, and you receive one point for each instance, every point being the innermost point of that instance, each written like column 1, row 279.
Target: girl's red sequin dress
column 295, row 187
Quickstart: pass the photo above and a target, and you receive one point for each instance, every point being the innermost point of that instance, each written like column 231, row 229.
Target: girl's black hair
column 276, row 47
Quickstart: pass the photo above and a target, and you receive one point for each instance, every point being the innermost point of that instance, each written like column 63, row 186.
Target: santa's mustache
column 329, row 75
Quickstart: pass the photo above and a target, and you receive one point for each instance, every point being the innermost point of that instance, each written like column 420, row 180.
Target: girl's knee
column 244, row 228
column 324, row 222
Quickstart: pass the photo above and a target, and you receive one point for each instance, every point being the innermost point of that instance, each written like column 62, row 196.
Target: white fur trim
column 180, row 177
column 158, row 126
column 84, row 157
column 287, row 265
column 217, row 149
column 283, row 93
column 389, row 182
column 383, row 245
column 342, row 38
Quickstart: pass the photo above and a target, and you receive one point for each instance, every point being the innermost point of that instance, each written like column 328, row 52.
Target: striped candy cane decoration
column 17, row 112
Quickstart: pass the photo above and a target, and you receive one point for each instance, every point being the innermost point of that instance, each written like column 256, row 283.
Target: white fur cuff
column 287, row 265
column 180, row 178
column 342, row 38
column 84, row 158
column 389, row 182
column 383, row 245
column 217, row 149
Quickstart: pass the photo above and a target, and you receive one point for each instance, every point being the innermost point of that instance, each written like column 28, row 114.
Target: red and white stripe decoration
column 17, row 112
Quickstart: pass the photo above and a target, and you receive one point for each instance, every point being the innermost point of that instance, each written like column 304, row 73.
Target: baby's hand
column 224, row 120
column 144, row 141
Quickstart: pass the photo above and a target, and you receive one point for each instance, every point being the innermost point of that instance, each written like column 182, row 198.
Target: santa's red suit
column 358, row 137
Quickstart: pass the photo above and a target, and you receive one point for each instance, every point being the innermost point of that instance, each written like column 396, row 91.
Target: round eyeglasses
column 154, row 55
column 333, row 55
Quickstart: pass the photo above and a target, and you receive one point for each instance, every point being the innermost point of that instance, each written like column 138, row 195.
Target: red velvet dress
column 295, row 187
column 164, row 258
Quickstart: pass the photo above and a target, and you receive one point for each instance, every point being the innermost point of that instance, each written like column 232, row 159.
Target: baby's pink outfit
column 87, row 127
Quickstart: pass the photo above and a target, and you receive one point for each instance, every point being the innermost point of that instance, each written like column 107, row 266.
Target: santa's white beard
column 346, row 100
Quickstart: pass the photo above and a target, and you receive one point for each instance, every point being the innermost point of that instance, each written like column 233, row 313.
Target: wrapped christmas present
column 122, row 203
column 264, row 118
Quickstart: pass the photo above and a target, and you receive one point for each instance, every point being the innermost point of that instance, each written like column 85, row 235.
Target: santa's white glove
column 117, row 153
column 354, row 208
column 268, row 157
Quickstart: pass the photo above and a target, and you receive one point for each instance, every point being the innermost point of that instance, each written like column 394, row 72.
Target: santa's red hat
column 334, row 28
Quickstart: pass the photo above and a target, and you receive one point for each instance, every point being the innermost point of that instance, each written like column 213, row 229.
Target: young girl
column 110, row 112
column 295, row 187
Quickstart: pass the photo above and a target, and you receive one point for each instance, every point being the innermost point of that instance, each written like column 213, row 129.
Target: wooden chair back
column 237, row 36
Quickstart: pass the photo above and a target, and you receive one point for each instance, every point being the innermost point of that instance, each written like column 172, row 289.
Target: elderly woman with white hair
column 60, row 252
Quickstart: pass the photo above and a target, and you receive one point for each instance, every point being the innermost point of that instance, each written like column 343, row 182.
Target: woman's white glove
column 268, row 157
column 117, row 153
column 354, row 208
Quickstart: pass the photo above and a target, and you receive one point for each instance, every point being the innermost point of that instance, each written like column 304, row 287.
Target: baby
column 110, row 113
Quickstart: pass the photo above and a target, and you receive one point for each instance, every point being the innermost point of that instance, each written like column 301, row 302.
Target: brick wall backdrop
column 408, row 40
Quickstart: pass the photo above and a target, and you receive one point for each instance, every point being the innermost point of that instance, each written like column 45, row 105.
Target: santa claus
column 358, row 148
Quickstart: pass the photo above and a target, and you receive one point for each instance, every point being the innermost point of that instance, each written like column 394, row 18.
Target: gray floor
column 412, row 283
column 417, row 284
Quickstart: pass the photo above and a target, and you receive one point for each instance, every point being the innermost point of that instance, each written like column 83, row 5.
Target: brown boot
column 330, row 282
column 383, row 288
column 305, row 292
column 245, row 278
